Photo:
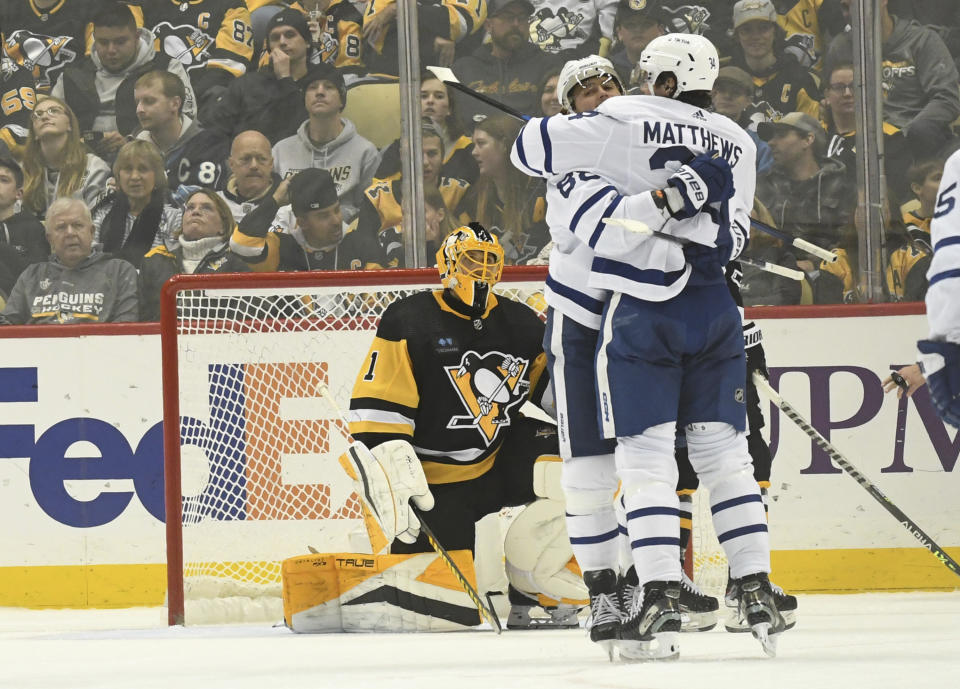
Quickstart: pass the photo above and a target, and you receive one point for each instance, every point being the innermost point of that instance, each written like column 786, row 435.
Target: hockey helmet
column 691, row 58
column 575, row 72
column 470, row 261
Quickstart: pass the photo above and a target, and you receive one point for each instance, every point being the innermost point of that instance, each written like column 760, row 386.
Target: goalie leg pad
column 354, row 592
column 539, row 560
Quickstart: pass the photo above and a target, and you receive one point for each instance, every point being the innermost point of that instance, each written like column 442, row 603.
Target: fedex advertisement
column 81, row 457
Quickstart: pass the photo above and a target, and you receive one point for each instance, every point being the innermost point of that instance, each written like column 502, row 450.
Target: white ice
column 869, row 641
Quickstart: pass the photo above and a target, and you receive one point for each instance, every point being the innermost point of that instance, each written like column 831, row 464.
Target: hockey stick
column 486, row 611
column 446, row 75
column 643, row 228
column 868, row 485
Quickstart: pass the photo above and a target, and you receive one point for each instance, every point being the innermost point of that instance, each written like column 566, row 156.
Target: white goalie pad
column 547, row 474
column 355, row 592
column 539, row 558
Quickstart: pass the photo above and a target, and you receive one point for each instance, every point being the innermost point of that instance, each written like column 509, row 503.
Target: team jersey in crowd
column 341, row 38
column 806, row 22
column 943, row 294
column 786, row 88
column 201, row 33
column 638, row 141
column 449, row 384
column 17, row 101
column 381, row 212
column 44, row 41
column 561, row 25
column 198, row 158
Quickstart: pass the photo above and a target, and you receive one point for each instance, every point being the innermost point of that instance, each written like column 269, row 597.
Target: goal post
column 250, row 446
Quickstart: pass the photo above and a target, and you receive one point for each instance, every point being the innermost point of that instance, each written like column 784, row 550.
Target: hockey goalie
column 438, row 435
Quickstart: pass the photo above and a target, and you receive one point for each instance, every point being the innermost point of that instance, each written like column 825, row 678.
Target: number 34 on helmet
column 470, row 261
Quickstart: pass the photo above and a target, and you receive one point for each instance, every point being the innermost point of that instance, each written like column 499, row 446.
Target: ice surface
column 869, row 641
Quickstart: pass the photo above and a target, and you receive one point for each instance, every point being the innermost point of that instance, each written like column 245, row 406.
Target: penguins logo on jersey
column 547, row 29
column 690, row 19
column 488, row 385
column 187, row 44
column 45, row 54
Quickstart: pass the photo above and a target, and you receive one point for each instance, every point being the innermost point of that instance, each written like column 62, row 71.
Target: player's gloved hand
column 941, row 366
column 387, row 477
column 753, row 344
column 705, row 179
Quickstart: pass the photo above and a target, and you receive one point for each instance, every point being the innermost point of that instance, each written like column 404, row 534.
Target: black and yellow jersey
column 458, row 161
column 449, row 384
column 341, row 38
column 381, row 214
column 17, row 101
column 200, row 33
column 785, row 88
column 803, row 21
column 45, row 41
column 907, row 265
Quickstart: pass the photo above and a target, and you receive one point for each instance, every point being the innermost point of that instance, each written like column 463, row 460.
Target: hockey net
column 251, row 445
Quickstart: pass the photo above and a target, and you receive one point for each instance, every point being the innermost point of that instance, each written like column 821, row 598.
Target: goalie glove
column 387, row 477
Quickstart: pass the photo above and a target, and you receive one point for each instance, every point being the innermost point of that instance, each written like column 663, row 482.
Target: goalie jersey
column 449, row 384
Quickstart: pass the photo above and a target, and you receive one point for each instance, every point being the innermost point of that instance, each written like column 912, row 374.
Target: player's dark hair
column 115, row 15
column 698, row 99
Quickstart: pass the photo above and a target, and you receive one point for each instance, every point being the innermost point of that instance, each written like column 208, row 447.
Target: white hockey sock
column 719, row 455
column 648, row 470
column 589, row 485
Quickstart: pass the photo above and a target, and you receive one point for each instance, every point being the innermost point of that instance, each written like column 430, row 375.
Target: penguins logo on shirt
column 187, row 44
column 489, row 385
column 44, row 55
column 548, row 30
column 690, row 19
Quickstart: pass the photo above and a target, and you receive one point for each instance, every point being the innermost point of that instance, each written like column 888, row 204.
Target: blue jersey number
column 945, row 201
column 565, row 185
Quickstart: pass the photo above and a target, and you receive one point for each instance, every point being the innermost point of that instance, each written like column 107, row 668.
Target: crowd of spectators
column 140, row 139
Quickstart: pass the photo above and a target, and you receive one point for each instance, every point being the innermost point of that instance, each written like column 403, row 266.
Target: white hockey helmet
column 691, row 58
column 575, row 72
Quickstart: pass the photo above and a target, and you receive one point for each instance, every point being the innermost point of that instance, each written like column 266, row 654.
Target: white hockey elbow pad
column 387, row 477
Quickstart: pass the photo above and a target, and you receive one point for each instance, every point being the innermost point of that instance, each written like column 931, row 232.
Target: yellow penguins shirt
column 45, row 41
column 201, row 33
column 803, row 21
column 449, row 384
column 907, row 266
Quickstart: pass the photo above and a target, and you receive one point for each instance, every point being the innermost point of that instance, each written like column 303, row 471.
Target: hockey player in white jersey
column 672, row 349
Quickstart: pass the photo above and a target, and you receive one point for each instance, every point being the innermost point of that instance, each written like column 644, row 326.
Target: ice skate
column 527, row 613
column 758, row 608
column 651, row 631
column 605, row 610
column 786, row 606
column 698, row 610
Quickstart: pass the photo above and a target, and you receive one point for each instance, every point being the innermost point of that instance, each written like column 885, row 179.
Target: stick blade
column 631, row 225
column 444, row 74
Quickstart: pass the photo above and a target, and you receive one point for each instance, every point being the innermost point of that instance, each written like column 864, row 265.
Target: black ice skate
column 605, row 609
column 758, row 608
column 786, row 605
column 527, row 613
column 698, row 610
column 652, row 629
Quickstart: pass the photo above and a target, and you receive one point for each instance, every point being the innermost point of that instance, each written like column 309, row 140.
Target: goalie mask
column 575, row 72
column 692, row 59
column 470, row 261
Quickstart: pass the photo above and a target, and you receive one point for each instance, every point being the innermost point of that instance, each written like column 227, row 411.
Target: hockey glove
column 387, row 478
column 941, row 366
column 753, row 344
column 705, row 179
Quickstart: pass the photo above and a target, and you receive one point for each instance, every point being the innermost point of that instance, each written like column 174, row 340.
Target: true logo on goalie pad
column 489, row 386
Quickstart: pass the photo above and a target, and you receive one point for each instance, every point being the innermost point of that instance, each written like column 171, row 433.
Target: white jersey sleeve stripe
column 547, row 146
column 649, row 276
column 521, row 155
column 590, row 203
column 583, row 300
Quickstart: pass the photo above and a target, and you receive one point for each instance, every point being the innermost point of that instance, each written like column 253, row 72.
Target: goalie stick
column 446, row 75
column 486, row 610
column 868, row 485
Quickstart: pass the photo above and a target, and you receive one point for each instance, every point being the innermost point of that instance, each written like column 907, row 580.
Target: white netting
column 259, row 444
column 709, row 560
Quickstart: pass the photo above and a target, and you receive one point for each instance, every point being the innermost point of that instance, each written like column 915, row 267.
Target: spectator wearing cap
column 508, row 68
column 317, row 239
column 636, row 24
column 202, row 245
column 269, row 100
column 920, row 80
column 22, row 239
column 732, row 96
column 443, row 27
column 781, row 84
column 328, row 140
column 809, row 196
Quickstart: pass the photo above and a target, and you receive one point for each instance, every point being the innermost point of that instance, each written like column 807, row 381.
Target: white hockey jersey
column 601, row 164
column 943, row 294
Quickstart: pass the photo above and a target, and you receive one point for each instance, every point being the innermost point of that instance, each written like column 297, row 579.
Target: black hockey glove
column 753, row 344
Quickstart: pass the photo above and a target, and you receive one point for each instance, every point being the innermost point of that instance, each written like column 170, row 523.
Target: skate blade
column 768, row 641
column 663, row 646
column 697, row 621
column 610, row 647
